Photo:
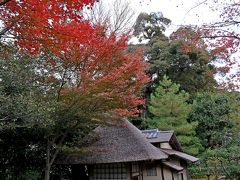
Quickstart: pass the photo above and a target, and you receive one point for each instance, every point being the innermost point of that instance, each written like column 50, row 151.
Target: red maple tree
column 100, row 61
column 222, row 38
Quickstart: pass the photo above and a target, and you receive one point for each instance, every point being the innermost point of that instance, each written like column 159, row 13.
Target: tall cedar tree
column 185, row 63
column 150, row 25
column 169, row 108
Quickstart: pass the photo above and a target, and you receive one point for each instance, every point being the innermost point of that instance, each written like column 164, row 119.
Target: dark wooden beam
column 162, row 172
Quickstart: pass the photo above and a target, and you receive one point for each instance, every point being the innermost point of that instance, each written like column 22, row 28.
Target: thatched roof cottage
column 123, row 152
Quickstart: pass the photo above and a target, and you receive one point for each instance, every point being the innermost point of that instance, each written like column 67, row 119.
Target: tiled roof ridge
column 155, row 134
column 149, row 130
column 157, row 130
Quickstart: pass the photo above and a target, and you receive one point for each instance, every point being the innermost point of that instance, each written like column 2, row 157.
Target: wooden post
column 162, row 172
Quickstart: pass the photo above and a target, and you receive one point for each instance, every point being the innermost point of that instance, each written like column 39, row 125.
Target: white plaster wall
column 184, row 172
column 167, row 173
column 158, row 177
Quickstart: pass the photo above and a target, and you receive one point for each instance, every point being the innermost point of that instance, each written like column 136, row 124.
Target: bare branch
column 4, row 30
column 220, row 36
column 223, row 34
column 197, row 5
column 225, row 24
column 122, row 16
column 116, row 17
column 62, row 84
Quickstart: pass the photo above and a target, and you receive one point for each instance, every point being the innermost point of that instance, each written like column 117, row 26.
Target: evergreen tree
column 188, row 66
column 183, row 60
column 223, row 160
column 169, row 108
column 151, row 25
column 214, row 113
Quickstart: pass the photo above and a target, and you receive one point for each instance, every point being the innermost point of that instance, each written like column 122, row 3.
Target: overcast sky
column 178, row 11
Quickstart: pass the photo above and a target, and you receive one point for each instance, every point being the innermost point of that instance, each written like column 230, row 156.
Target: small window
column 151, row 170
column 109, row 171
column 136, row 171
column 135, row 168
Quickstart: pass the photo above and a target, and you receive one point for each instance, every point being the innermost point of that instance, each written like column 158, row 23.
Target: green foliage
column 234, row 100
column 31, row 175
column 191, row 69
column 220, row 161
column 30, row 115
column 212, row 112
column 150, row 25
column 213, row 121
column 184, row 61
column 217, row 115
column 24, row 113
column 169, row 108
column 22, row 98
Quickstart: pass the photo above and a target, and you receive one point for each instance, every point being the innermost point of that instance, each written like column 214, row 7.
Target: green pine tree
column 169, row 108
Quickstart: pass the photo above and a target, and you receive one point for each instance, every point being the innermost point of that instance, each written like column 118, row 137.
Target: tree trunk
column 47, row 173
column 48, row 166
column 51, row 158
column 208, row 177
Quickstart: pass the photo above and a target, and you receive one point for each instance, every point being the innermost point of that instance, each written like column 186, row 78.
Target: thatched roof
column 112, row 144
column 156, row 136
column 180, row 155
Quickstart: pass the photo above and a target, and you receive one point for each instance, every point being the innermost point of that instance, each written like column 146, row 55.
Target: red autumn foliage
column 190, row 36
column 45, row 24
column 224, row 37
column 98, row 64
column 109, row 72
column 219, row 41
column 192, row 41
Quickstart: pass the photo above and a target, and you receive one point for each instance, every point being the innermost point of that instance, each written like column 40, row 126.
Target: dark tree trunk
column 208, row 177
column 47, row 173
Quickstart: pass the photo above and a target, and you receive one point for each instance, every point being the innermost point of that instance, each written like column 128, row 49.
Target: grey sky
column 180, row 12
